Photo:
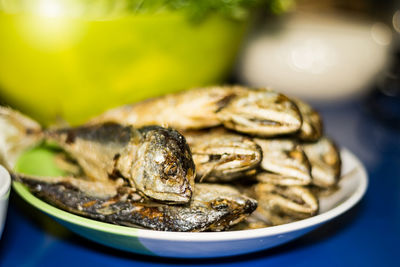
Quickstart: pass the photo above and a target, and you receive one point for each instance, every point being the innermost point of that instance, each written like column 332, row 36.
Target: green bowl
column 69, row 67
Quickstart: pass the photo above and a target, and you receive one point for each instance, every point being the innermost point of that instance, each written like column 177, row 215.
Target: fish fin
column 17, row 134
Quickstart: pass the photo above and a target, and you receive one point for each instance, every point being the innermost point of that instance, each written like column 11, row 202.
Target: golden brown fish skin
column 284, row 204
column 312, row 126
column 221, row 155
column 155, row 160
column 261, row 112
column 325, row 160
column 193, row 109
column 212, row 208
column 284, row 162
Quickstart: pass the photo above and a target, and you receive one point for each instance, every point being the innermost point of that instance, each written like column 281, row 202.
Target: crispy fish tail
column 17, row 134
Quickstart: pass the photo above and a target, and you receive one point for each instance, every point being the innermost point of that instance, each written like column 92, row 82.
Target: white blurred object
column 316, row 57
column 5, row 184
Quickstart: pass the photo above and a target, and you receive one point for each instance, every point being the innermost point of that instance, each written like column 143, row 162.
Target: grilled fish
column 193, row 109
column 261, row 112
column 284, row 204
column 212, row 207
column 222, row 156
column 156, row 161
column 284, row 161
column 252, row 111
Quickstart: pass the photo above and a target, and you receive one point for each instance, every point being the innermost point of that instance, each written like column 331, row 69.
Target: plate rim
column 202, row 236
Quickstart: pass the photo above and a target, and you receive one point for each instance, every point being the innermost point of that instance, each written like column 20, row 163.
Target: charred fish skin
column 155, row 160
column 212, row 208
column 222, row 156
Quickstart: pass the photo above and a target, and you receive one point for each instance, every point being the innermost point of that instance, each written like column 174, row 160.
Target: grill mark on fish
column 224, row 101
column 267, row 122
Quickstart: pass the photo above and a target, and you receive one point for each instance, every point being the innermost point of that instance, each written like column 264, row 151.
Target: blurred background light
column 396, row 21
column 50, row 8
column 312, row 55
column 381, row 33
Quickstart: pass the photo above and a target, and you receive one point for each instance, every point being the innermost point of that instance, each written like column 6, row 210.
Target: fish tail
column 17, row 134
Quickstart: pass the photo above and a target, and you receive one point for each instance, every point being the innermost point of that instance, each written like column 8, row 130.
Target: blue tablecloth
column 367, row 235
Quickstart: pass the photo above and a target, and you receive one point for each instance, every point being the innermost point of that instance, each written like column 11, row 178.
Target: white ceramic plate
column 212, row 244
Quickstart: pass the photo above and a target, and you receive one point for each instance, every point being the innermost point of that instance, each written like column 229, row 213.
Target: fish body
column 262, row 112
column 222, row 156
column 212, row 207
column 193, row 109
column 155, row 160
column 285, row 162
column 284, row 204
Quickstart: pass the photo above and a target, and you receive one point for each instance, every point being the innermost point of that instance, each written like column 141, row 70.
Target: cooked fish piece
column 155, row 160
column 312, row 127
column 325, row 162
column 222, row 156
column 193, row 109
column 284, row 204
column 284, row 161
column 212, row 207
column 253, row 111
column 261, row 112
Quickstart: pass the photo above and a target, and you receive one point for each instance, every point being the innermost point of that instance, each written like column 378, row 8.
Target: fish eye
column 171, row 169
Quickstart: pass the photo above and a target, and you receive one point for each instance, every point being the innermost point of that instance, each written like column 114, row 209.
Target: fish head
column 261, row 112
column 222, row 155
column 282, row 204
column 166, row 170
